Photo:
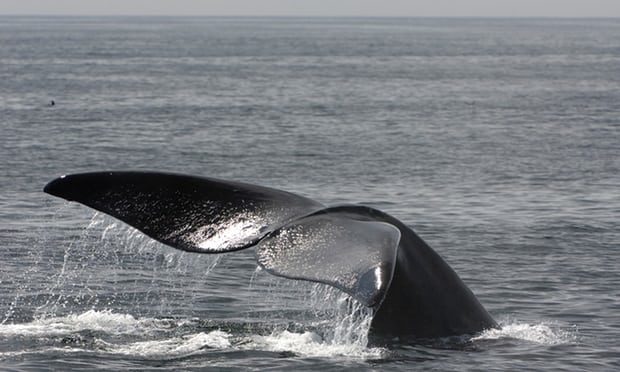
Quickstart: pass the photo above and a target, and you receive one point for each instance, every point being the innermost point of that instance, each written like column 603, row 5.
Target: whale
column 373, row 257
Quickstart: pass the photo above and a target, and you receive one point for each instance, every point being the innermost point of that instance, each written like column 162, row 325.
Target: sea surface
column 497, row 140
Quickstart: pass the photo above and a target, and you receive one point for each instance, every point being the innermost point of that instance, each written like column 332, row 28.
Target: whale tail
column 295, row 237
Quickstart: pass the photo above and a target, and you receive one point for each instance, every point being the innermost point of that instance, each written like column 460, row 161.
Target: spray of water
column 107, row 265
column 107, row 268
column 328, row 321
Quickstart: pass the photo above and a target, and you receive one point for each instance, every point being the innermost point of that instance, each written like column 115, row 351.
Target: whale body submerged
column 370, row 255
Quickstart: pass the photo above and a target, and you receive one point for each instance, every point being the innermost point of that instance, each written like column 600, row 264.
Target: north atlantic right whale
column 372, row 256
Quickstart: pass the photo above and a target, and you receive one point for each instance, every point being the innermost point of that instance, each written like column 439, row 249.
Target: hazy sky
column 503, row 8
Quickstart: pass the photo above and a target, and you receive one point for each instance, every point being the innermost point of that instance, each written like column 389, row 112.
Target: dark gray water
column 497, row 140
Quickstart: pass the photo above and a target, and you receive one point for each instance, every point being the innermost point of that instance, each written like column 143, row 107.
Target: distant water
column 498, row 140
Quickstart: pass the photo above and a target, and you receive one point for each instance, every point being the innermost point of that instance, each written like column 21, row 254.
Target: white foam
column 336, row 325
column 116, row 324
column 310, row 344
column 184, row 345
column 543, row 333
column 105, row 321
column 44, row 350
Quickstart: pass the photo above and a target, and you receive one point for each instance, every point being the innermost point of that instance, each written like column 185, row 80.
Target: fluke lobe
column 368, row 254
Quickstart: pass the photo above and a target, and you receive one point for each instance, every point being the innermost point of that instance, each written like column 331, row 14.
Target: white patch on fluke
column 378, row 281
column 229, row 234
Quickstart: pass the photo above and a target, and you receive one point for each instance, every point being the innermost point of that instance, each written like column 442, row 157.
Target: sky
column 379, row 8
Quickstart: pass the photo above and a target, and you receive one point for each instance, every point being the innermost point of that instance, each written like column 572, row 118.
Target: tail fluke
column 196, row 214
column 296, row 237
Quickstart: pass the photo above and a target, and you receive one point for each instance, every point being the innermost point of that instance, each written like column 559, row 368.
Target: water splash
column 92, row 320
column 349, row 321
column 329, row 323
column 106, row 265
column 541, row 333
column 310, row 344
column 305, row 318
column 335, row 326
column 108, row 332
column 175, row 346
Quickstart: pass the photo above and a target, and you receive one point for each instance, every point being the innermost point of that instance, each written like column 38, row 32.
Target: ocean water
column 497, row 140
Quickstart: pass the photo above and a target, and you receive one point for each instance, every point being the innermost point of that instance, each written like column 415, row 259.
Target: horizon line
column 303, row 16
